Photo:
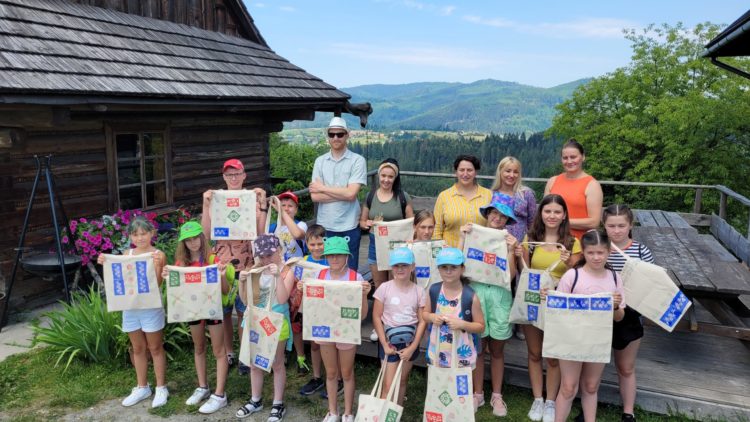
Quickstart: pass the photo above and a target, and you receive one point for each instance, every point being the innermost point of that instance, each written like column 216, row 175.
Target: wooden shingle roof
column 58, row 48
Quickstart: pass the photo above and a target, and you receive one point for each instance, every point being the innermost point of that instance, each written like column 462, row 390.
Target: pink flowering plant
column 175, row 218
column 107, row 234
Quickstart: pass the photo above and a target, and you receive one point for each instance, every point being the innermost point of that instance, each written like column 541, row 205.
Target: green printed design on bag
column 391, row 416
column 445, row 398
column 174, row 279
column 532, row 297
column 349, row 313
column 234, row 216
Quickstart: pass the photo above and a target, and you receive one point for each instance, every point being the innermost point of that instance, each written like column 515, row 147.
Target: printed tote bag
column 578, row 327
column 233, row 215
column 260, row 338
column 486, row 253
column 650, row 291
column 332, row 311
column 304, row 269
column 388, row 233
column 374, row 409
column 193, row 293
column 528, row 307
column 130, row 282
column 449, row 392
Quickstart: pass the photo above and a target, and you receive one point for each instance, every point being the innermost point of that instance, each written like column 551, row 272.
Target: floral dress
column 441, row 338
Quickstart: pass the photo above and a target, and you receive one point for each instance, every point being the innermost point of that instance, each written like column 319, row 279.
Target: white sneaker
column 537, row 410
column 136, row 395
column 347, row 418
column 198, row 396
column 213, row 404
column 549, row 411
column 373, row 336
column 161, row 396
column 331, row 418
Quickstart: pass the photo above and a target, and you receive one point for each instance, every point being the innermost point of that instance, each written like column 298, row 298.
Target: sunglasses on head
column 336, row 134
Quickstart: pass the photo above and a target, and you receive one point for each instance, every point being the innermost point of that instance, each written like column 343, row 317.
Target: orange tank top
column 574, row 193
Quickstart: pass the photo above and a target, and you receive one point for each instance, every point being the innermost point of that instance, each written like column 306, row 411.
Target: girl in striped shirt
column 627, row 333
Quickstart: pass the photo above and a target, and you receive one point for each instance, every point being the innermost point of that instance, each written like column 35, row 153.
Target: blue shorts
column 372, row 258
column 396, row 358
column 146, row 320
column 238, row 305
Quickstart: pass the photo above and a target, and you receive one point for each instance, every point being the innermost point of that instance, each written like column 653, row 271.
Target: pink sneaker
column 498, row 405
column 478, row 401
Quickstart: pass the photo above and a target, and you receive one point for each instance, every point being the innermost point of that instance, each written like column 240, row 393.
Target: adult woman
column 459, row 204
column 508, row 181
column 582, row 193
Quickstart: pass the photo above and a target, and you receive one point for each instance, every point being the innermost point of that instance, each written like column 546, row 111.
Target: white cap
column 338, row 123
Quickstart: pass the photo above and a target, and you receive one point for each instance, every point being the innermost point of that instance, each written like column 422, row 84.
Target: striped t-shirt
column 634, row 250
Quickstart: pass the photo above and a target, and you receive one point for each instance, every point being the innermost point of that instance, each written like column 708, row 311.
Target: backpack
column 467, row 298
column 324, row 272
column 401, row 200
column 575, row 280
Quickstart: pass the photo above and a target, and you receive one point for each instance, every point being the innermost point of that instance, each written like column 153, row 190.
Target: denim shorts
column 396, row 358
column 146, row 320
column 238, row 305
column 372, row 258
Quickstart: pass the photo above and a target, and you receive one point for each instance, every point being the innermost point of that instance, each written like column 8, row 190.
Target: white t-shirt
column 292, row 245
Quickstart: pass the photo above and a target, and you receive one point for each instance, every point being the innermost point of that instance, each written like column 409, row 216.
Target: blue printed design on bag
column 578, row 303
column 298, row 272
column 534, row 282
column 473, row 253
column 502, row 263
column 675, row 310
column 532, row 312
column 558, row 302
column 462, row 385
column 140, row 271
column 118, row 280
column 221, row 231
column 601, row 303
column 212, row 275
column 422, row 272
column 321, row 331
column 254, row 336
column 261, row 362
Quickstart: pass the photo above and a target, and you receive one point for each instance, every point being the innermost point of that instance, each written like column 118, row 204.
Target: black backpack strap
column 434, row 293
column 467, row 300
column 402, row 200
column 640, row 252
column 614, row 276
column 575, row 280
column 368, row 200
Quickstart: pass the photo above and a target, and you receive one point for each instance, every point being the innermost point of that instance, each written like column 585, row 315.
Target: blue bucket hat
column 503, row 204
column 401, row 256
column 450, row 256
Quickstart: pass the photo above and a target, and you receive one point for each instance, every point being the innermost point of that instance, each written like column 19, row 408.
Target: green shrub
column 82, row 329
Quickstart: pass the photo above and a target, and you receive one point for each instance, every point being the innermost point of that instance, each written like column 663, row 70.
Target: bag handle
column 454, row 350
column 624, row 255
column 377, row 388
column 554, row 264
column 395, row 388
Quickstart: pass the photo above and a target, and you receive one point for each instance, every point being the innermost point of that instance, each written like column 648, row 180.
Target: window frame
column 114, row 187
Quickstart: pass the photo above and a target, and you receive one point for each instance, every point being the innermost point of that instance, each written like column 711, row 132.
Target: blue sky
column 539, row 43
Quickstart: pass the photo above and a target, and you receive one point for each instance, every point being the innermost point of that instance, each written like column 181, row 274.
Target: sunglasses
column 336, row 134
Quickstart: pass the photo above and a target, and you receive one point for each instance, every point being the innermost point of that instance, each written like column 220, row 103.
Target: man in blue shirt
column 337, row 178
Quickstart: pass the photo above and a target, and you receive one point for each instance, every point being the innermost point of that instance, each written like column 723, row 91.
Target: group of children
column 403, row 312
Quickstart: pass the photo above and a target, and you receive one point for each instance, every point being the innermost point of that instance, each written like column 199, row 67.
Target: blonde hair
column 500, row 167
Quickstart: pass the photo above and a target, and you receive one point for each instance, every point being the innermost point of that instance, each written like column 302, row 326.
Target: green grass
column 32, row 388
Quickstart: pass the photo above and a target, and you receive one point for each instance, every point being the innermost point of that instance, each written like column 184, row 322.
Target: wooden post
column 722, row 205
column 698, row 199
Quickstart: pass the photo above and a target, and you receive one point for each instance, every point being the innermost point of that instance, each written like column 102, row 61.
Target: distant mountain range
column 486, row 106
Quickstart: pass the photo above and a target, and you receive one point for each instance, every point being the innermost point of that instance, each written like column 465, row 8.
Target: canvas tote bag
column 130, row 282
column 578, row 327
column 193, row 293
column 304, row 269
column 425, row 266
column 388, row 233
column 486, row 253
column 371, row 408
column 527, row 305
column 332, row 311
column 233, row 215
column 650, row 291
column 260, row 338
column 449, row 392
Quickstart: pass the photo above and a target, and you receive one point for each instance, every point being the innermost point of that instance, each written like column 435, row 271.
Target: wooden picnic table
column 702, row 268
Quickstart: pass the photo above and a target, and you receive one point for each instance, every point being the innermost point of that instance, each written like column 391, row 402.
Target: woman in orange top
column 582, row 193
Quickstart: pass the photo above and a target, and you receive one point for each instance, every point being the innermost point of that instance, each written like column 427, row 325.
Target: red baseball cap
column 289, row 194
column 233, row 163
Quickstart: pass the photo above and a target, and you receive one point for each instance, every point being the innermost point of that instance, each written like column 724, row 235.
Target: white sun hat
column 338, row 123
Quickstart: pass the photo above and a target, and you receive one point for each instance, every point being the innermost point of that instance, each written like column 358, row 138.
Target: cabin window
column 141, row 169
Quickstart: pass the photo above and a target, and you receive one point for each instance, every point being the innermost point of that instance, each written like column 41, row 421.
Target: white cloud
column 287, row 9
column 495, row 22
column 582, row 28
column 421, row 6
column 415, row 55
column 447, row 10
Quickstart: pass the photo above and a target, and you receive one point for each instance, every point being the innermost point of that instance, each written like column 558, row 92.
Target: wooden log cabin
column 140, row 102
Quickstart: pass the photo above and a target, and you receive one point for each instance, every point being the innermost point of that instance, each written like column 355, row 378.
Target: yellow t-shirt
column 542, row 258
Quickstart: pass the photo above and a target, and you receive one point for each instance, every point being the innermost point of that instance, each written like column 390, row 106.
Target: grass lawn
column 32, row 388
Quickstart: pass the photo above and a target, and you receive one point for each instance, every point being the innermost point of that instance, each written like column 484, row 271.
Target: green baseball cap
column 190, row 229
column 336, row 246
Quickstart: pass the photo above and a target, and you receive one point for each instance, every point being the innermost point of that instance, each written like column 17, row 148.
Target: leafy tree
column 292, row 164
column 668, row 116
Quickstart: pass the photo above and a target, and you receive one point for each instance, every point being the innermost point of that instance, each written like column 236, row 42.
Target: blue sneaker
column 324, row 392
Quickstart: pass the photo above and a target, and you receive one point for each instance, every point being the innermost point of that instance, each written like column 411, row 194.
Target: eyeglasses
column 336, row 134
column 233, row 175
